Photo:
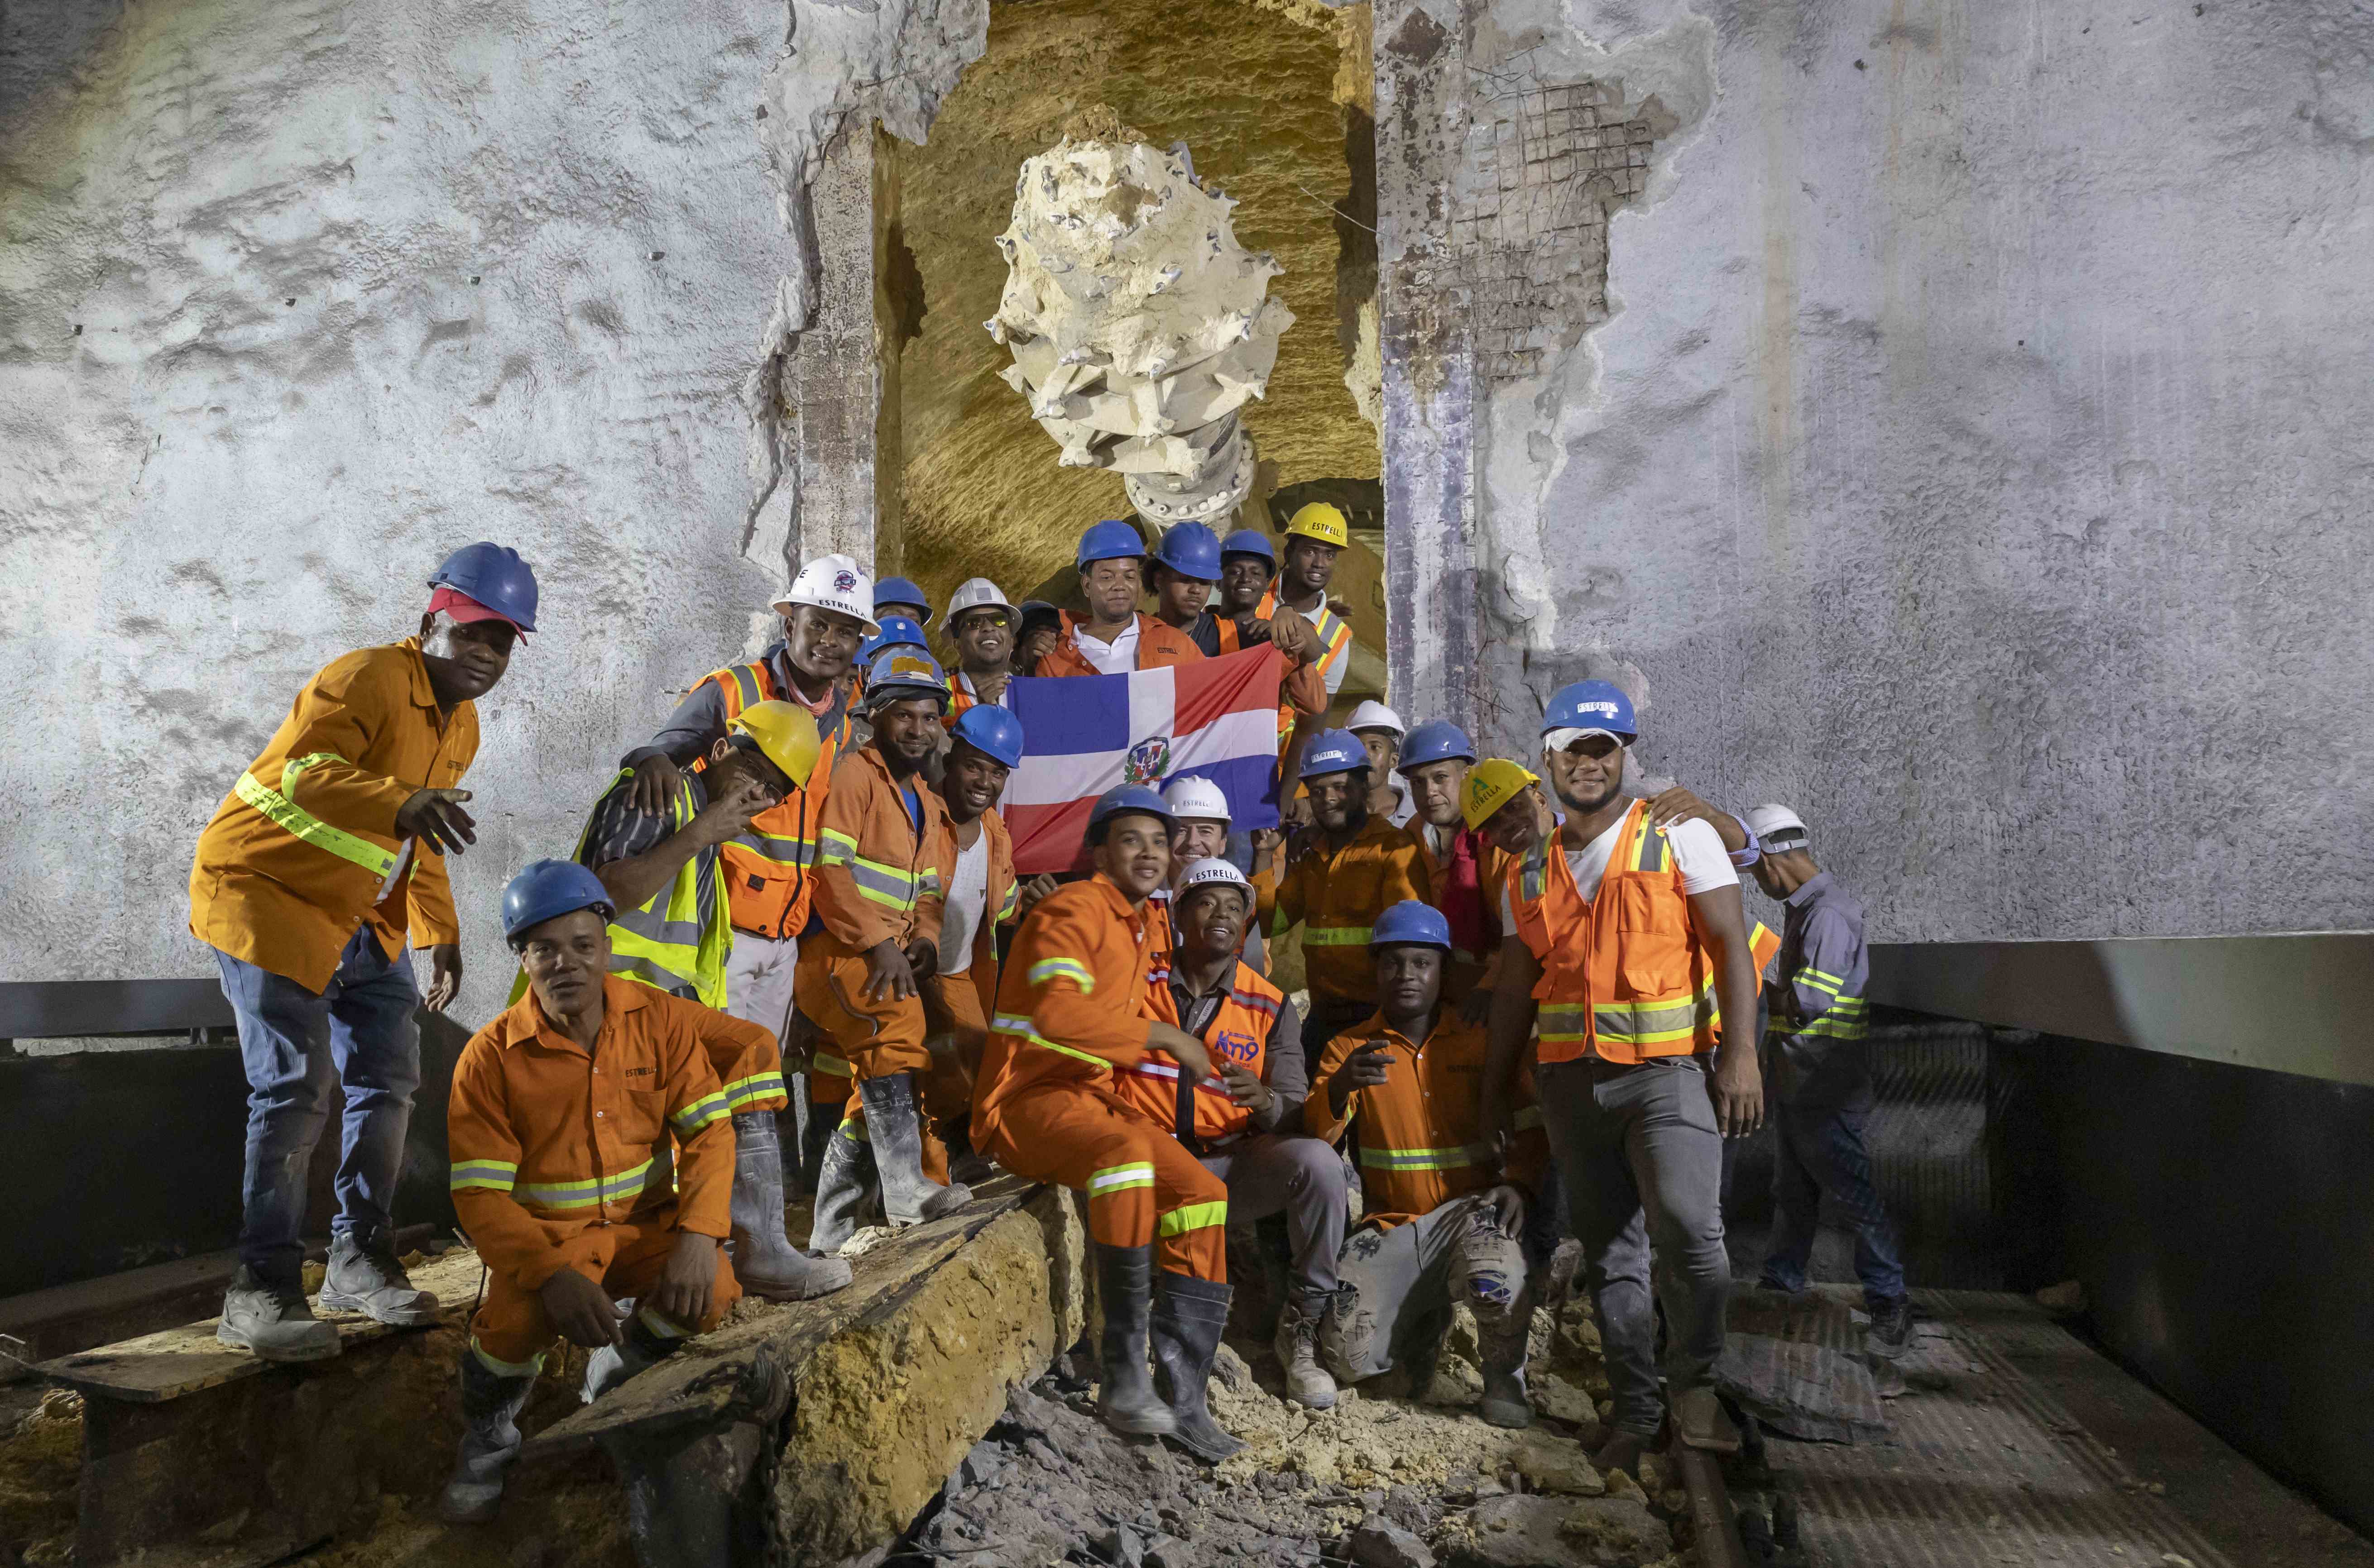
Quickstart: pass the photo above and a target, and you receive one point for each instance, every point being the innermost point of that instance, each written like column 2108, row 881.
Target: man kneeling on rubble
column 1439, row 1227
column 560, row 1117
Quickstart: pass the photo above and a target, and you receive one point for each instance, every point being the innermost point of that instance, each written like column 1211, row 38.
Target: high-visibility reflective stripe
column 1422, row 1159
column 1118, row 1179
column 1535, row 877
column 1815, row 979
column 780, row 849
column 1563, row 1023
column 746, row 679
column 854, row 1131
column 1835, row 1028
column 302, row 824
column 660, row 1324
column 1070, row 970
column 758, row 1086
column 884, row 884
column 1336, row 936
column 502, row 1368
column 586, row 1194
column 835, row 848
column 649, row 971
column 834, row 1066
column 1194, row 1217
column 1007, row 1023
column 1013, row 898
column 655, row 926
column 667, row 944
column 691, row 1119
column 1656, row 1022
column 492, row 1174
column 1649, row 850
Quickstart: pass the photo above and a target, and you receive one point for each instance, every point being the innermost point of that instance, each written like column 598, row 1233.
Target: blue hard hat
column 1437, row 739
column 1108, row 540
column 1250, row 542
column 1411, row 924
column 1332, row 751
column 900, row 672
column 897, row 631
column 991, row 731
column 1123, row 801
column 551, row 887
column 901, row 591
column 1191, row 550
column 494, row 576
column 1591, row 705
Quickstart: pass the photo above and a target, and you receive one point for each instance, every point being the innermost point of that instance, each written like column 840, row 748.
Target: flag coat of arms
column 1082, row 735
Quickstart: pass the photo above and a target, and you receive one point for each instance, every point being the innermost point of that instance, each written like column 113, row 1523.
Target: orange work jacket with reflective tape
column 304, row 848
column 547, row 1140
column 878, row 878
column 769, row 865
column 1625, row 976
column 1159, row 646
column 1421, row 1142
column 1337, row 894
column 1238, row 1032
column 1071, row 998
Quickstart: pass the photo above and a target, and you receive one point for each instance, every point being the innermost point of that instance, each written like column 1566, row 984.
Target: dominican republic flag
column 1085, row 734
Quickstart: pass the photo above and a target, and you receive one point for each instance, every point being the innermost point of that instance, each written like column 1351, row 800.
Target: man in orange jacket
column 1114, row 637
column 1071, row 1010
column 886, row 854
column 329, row 848
column 1628, row 945
column 560, row 1120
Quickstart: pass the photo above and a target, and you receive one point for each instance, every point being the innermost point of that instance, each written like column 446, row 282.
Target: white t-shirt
column 1698, row 850
column 1405, row 807
column 961, row 915
column 1118, row 657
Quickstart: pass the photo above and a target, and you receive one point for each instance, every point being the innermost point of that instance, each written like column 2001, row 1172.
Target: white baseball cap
column 1556, row 740
column 1778, row 828
column 832, row 582
column 978, row 593
column 1375, row 715
column 1196, row 796
column 1205, row 872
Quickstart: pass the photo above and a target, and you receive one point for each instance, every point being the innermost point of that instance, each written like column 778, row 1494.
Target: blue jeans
column 359, row 1033
column 1819, row 1149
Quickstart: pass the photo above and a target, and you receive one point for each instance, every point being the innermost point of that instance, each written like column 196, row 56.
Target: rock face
column 1548, row 1532
column 1138, row 325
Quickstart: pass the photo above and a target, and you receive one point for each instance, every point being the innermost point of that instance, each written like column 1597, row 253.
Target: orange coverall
column 1159, row 646
column 1070, row 1009
column 560, row 1159
column 362, row 736
column 1337, row 896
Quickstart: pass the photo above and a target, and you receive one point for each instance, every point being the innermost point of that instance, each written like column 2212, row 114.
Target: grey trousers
column 1404, row 1280
column 1302, row 1179
column 1643, row 1163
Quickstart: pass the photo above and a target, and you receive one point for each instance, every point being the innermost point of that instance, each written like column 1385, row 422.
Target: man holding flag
column 1114, row 637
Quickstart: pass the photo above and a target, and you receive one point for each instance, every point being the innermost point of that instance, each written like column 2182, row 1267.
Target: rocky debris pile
column 40, row 1462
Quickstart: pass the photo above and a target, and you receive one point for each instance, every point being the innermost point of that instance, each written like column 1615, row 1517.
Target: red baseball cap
column 462, row 607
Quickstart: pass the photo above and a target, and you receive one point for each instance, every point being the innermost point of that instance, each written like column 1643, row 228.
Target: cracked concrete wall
column 297, row 296
column 1972, row 452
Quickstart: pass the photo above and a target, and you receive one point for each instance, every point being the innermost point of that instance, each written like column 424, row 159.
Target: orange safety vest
column 768, row 864
column 1335, row 633
column 1624, row 976
column 1238, row 1032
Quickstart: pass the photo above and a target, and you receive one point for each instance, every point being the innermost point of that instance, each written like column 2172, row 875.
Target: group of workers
column 1516, row 1003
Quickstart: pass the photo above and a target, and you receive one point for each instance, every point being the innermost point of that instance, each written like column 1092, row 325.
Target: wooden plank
column 699, row 1382
column 177, row 1362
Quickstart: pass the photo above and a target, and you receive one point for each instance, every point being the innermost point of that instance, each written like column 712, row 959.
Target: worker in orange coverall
column 1070, row 1011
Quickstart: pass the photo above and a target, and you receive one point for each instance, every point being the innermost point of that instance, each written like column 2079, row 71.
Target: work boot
column 1891, row 1328
column 1500, row 1345
column 892, row 1122
column 764, row 1258
column 645, row 1348
column 490, row 1441
column 1297, row 1344
column 843, row 1188
column 1347, row 1336
column 272, row 1320
column 365, row 1276
column 1700, row 1421
column 1189, row 1315
column 1126, row 1399
column 816, row 1140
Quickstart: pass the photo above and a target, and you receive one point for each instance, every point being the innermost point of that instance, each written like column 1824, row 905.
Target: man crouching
column 560, row 1119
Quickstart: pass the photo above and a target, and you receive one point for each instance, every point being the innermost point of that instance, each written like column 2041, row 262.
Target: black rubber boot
column 490, row 1441
column 1126, row 1399
column 844, row 1187
column 1189, row 1315
column 764, row 1258
column 896, row 1128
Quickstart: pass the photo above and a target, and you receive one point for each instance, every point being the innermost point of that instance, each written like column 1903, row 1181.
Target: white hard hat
column 1778, row 827
column 832, row 582
column 1374, row 715
column 977, row 593
column 1197, row 797
column 1204, row 873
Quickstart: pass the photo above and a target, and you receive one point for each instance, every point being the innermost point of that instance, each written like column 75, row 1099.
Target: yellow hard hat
column 786, row 734
column 1491, row 784
column 1321, row 521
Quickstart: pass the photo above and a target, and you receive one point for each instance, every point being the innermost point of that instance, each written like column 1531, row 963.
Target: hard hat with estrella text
column 991, row 731
column 1491, row 784
column 785, row 734
column 1195, row 798
column 1321, row 521
column 832, row 582
column 1332, row 751
column 1591, row 705
column 1213, row 871
column 547, row 889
